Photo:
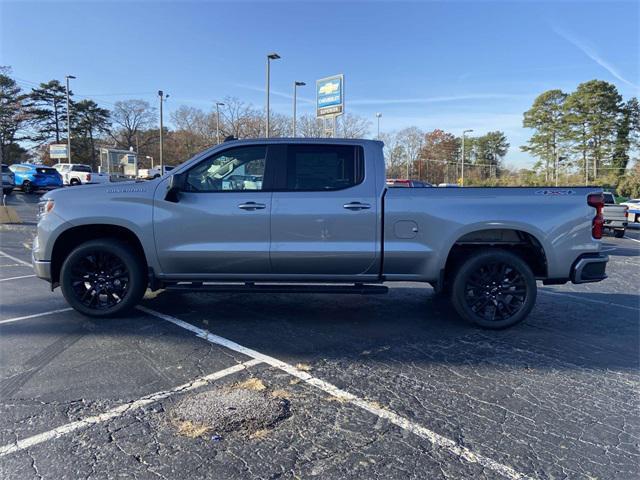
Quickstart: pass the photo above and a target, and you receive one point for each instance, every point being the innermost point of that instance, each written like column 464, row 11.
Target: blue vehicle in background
column 29, row 177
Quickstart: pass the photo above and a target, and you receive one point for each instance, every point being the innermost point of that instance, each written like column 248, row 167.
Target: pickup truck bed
column 311, row 212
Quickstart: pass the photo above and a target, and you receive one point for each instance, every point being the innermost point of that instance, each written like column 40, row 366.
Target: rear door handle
column 356, row 206
column 252, row 206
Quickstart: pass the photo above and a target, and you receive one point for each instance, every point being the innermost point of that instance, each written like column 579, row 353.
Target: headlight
column 44, row 207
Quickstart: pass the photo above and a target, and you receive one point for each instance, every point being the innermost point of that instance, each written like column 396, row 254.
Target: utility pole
column 162, row 97
column 68, row 77
column 296, row 84
column 378, row 116
column 271, row 56
column 218, row 105
column 462, row 166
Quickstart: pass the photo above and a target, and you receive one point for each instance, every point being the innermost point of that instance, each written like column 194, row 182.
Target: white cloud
column 275, row 93
column 439, row 99
column 591, row 52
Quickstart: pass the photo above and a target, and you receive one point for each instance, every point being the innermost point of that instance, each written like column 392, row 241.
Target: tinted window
column 608, row 198
column 324, row 167
column 237, row 169
column 47, row 171
column 5, row 169
column 81, row 168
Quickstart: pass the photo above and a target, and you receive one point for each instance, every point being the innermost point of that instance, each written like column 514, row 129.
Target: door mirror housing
column 177, row 183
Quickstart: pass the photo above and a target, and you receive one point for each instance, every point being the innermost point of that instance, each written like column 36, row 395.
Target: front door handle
column 356, row 206
column 252, row 206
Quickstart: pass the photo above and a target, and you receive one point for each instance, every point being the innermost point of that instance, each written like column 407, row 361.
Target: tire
column 7, row 191
column 494, row 283
column 27, row 187
column 114, row 293
column 74, row 182
column 618, row 233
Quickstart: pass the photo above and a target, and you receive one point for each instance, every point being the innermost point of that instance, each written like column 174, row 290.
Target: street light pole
column 271, row 56
column 68, row 120
column 296, row 84
column 462, row 167
column 378, row 115
column 218, row 105
column 162, row 97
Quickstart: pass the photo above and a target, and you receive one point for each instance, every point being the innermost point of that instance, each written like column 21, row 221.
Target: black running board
column 249, row 287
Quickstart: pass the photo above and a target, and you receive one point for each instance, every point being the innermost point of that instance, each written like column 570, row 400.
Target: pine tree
column 49, row 111
column 547, row 117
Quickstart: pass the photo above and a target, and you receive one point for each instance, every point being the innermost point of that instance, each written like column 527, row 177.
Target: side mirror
column 177, row 183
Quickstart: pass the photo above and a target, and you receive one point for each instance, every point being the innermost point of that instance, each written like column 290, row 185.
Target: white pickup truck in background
column 79, row 174
column 615, row 216
column 153, row 172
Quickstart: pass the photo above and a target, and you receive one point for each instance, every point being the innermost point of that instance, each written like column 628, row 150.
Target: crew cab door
column 324, row 212
column 219, row 223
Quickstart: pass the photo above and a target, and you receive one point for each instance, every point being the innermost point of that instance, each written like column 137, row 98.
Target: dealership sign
column 330, row 96
column 58, row 150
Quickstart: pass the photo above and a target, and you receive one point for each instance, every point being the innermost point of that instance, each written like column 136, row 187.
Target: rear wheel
column 618, row 233
column 103, row 278
column 74, row 181
column 494, row 289
column 27, row 187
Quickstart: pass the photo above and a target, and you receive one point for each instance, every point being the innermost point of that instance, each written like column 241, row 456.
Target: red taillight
column 88, row 177
column 596, row 200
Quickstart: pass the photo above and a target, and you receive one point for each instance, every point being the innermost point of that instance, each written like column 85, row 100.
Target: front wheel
column 494, row 289
column 103, row 278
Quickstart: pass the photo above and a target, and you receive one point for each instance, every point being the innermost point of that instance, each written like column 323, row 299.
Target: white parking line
column 15, row 259
column 633, row 239
column 120, row 410
column 591, row 300
column 434, row 438
column 35, row 315
column 16, row 278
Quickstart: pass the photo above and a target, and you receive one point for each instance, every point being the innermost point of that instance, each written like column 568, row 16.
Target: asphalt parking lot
column 391, row 386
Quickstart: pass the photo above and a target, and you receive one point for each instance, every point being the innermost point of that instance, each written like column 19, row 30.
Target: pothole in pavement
column 248, row 408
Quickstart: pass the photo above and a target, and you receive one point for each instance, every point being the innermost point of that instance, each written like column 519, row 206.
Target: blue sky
column 450, row 65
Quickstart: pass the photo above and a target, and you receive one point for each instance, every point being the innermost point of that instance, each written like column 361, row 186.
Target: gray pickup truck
column 615, row 216
column 300, row 215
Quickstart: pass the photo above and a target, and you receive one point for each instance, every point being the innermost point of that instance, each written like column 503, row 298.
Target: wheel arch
column 518, row 241
column 75, row 236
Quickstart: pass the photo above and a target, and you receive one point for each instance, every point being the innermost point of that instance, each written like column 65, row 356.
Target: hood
column 86, row 193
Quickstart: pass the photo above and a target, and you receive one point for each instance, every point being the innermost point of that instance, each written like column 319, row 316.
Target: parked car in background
column 398, row 182
column 615, row 216
column 300, row 215
column 448, row 185
column 633, row 213
column 79, row 174
column 8, row 180
column 154, row 172
column 30, row 177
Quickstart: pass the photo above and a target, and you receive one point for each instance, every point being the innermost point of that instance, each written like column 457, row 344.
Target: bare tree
column 309, row 126
column 239, row 119
column 411, row 140
column 393, row 154
column 131, row 117
column 352, row 126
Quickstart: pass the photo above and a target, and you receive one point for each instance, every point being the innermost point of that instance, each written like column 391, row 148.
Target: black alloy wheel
column 102, row 278
column 494, row 289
